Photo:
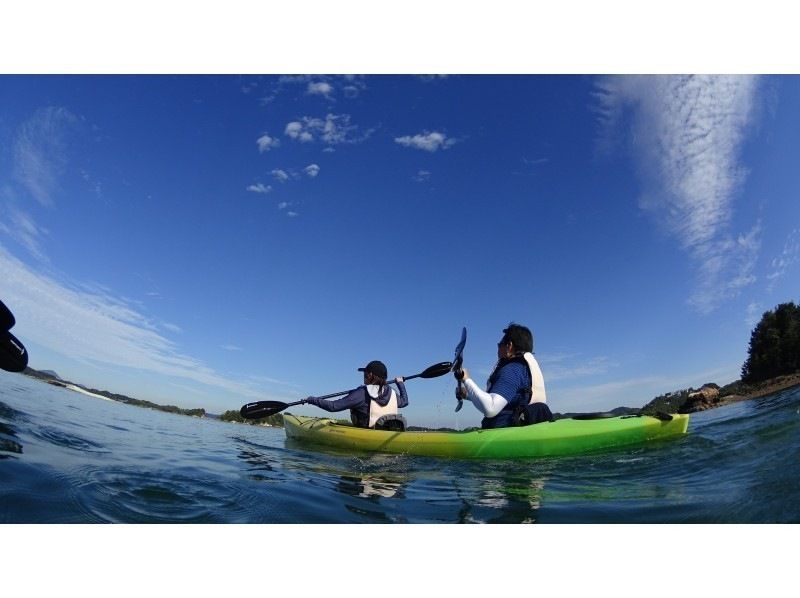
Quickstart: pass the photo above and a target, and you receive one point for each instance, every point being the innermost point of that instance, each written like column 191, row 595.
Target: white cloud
column 283, row 205
column 231, row 348
column 280, row 175
column 312, row 170
column 787, row 258
column 291, row 214
column 266, row 143
column 430, row 142
column 299, row 131
column 95, row 327
column 333, row 130
column 319, row 88
column 688, row 131
column 259, row 188
column 40, row 155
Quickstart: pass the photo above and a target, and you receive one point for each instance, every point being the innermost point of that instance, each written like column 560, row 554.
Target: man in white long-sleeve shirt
column 515, row 393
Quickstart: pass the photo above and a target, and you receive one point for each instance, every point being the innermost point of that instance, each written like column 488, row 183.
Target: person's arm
column 488, row 403
column 492, row 403
column 353, row 399
column 402, row 399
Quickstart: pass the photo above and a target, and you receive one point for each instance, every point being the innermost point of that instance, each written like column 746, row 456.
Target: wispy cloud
column 40, row 154
column 688, row 131
column 628, row 393
column 535, row 161
column 23, row 229
column 787, row 258
column 259, row 188
column 571, row 366
column 326, row 86
column 754, row 312
column 92, row 325
column 312, row 170
column 354, row 85
column 422, row 176
column 284, row 207
column 334, row 129
column 428, row 141
column 266, row 143
column 231, row 348
column 633, row 392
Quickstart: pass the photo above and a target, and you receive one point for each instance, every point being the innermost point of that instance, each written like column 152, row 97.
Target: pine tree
column 774, row 348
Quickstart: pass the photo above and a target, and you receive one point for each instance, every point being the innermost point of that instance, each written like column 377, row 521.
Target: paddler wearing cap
column 373, row 401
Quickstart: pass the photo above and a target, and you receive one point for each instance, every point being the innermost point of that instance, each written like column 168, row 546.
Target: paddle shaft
column 344, row 392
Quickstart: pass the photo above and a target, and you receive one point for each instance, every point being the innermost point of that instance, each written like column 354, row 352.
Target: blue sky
column 207, row 241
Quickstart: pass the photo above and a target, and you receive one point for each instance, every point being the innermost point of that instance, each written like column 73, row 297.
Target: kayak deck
column 561, row 437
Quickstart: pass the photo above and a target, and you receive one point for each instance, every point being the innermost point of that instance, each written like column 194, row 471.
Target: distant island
column 772, row 365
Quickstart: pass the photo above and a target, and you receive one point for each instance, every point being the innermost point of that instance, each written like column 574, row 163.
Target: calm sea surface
column 69, row 458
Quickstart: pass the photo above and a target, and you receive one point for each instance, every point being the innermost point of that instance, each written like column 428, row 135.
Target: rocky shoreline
column 711, row 396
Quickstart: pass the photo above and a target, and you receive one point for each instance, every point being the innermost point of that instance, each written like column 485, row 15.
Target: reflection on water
column 9, row 445
column 513, row 495
column 370, row 485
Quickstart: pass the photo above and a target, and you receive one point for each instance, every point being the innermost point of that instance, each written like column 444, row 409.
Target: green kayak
column 561, row 437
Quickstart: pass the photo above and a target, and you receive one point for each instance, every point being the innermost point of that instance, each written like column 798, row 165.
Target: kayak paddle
column 7, row 320
column 13, row 356
column 261, row 409
column 458, row 360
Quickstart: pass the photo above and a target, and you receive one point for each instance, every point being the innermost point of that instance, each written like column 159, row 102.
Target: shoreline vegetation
column 53, row 378
column 772, row 365
column 688, row 400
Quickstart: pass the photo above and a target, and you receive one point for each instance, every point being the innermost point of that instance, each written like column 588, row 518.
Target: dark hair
column 520, row 336
column 376, row 379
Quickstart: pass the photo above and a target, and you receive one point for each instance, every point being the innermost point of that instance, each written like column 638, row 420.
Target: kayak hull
column 548, row 439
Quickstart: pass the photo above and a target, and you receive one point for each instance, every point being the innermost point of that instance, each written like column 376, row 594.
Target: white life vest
column 538, row 394
column 375, row 410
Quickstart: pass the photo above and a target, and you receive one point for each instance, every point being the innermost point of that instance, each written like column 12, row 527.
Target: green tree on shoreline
column 774, row 345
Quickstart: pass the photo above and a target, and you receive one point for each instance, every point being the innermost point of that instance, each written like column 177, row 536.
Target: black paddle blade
column 458, row 359
column 13, row 355
column 440, row 369
column 261, row 409
column 7, row 320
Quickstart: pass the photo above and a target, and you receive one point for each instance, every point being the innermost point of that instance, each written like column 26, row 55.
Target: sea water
column 71, row 458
